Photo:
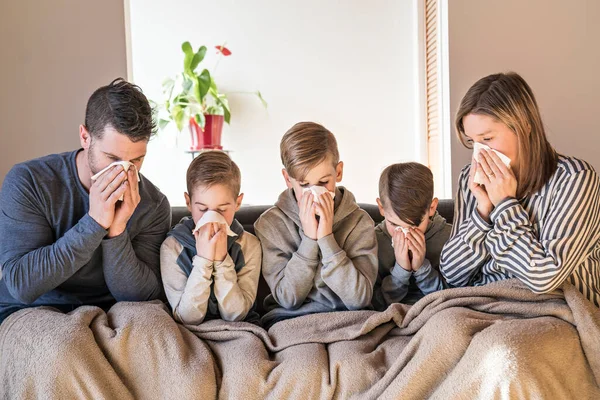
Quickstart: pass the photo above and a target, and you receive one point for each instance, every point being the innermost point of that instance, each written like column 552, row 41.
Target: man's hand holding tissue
column 308, row 219
column 499, row 181
column 124, row 209
column 324, row 208
column 416, row 244
column 104, row 194
column 401, row 250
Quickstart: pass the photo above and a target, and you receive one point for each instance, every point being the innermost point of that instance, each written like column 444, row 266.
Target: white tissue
column 403, row 229
column 317, row 191
column 124, row 164
column 477, row 147
column 213, row 216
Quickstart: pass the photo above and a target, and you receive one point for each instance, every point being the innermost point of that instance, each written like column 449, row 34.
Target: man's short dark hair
column 124, row 107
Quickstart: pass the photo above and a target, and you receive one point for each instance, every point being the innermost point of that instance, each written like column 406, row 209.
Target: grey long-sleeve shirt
column 53, row 253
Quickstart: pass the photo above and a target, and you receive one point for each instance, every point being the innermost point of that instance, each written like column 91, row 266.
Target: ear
column 85, row 139
column 433, row 207
column 287, row 178
column 380, row 206
column 339, row 171
column 188, row 201
column 238, row 202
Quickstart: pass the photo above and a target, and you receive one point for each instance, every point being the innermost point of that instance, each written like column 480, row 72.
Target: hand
column 124, row 209
column 308, row 219
column 499, row 180
column 104, row 193
column 401, row 250
column 416, row 245
column 205, row 246
column 325, row 210
column 484, row 205
column 220, row 239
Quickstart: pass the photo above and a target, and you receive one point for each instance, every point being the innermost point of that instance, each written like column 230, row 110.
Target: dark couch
column 247, row 215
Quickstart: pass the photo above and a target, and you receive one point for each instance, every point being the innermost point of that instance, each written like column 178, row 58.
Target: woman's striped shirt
column 543, row 239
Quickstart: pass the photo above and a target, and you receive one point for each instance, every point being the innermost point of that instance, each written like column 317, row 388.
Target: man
column 66, row 240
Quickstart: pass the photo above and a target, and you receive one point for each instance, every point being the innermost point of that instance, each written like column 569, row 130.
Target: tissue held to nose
column 477, row 147
column 403, row 229
column 317, row 191
column 213, row 216
column 125, row 164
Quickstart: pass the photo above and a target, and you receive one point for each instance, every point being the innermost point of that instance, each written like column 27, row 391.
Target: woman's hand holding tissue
column 104, row 194
column 124, row 209
column 484, row 204
column 325, row 211
column 308, row 218
column 401, row 250
column 499, row 181
column 416, row 244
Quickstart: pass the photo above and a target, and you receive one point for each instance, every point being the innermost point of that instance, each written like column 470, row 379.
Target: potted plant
column 193, row 99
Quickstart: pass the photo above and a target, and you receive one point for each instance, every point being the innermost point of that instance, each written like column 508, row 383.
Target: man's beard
column 91, row 159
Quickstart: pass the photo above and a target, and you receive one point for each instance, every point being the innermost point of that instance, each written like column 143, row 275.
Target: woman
column 537, row 220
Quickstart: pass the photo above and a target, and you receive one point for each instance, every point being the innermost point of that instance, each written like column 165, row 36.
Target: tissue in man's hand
column 403, row 229
column 213, row 216
column 124, row 164
column 477, row 147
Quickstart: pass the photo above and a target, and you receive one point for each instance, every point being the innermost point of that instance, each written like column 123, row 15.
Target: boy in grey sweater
column 410, row 238
column 319, row 248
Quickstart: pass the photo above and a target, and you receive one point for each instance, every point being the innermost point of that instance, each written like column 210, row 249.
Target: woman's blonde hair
column 508, row 99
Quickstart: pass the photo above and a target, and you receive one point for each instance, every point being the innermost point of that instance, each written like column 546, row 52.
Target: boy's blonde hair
column 408, row 189
column 213, row 168
column 304, row 146
column 508, row 99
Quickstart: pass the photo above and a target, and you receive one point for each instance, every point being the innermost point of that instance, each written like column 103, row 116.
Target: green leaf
column 198, row 57
column 202, row 86
column 200, row 119
column 181, row 100
column 178, row 115
column 187, row 84
column 226, row 111
column 188, row 56
column 162, row 123
column 262, row 100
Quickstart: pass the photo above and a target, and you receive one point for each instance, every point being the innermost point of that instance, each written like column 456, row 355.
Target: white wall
column 349, row 65
column 54, row 54
column 553, row 44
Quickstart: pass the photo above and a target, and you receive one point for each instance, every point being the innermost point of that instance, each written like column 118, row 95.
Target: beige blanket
column 497, row 341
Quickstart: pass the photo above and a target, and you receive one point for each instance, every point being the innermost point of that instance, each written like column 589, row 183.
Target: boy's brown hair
column 408, row 189
column 213, row 168
column 304, row 146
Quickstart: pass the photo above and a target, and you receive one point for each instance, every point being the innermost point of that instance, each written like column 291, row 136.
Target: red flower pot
column 210, row 136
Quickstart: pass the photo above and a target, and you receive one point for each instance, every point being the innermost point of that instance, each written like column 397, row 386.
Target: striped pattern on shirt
column 543, row 239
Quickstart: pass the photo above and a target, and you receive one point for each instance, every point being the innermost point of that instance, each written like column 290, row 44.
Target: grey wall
column 553, row 44
column 53, row 55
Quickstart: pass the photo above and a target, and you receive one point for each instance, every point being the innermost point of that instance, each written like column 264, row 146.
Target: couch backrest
column 247, row 215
